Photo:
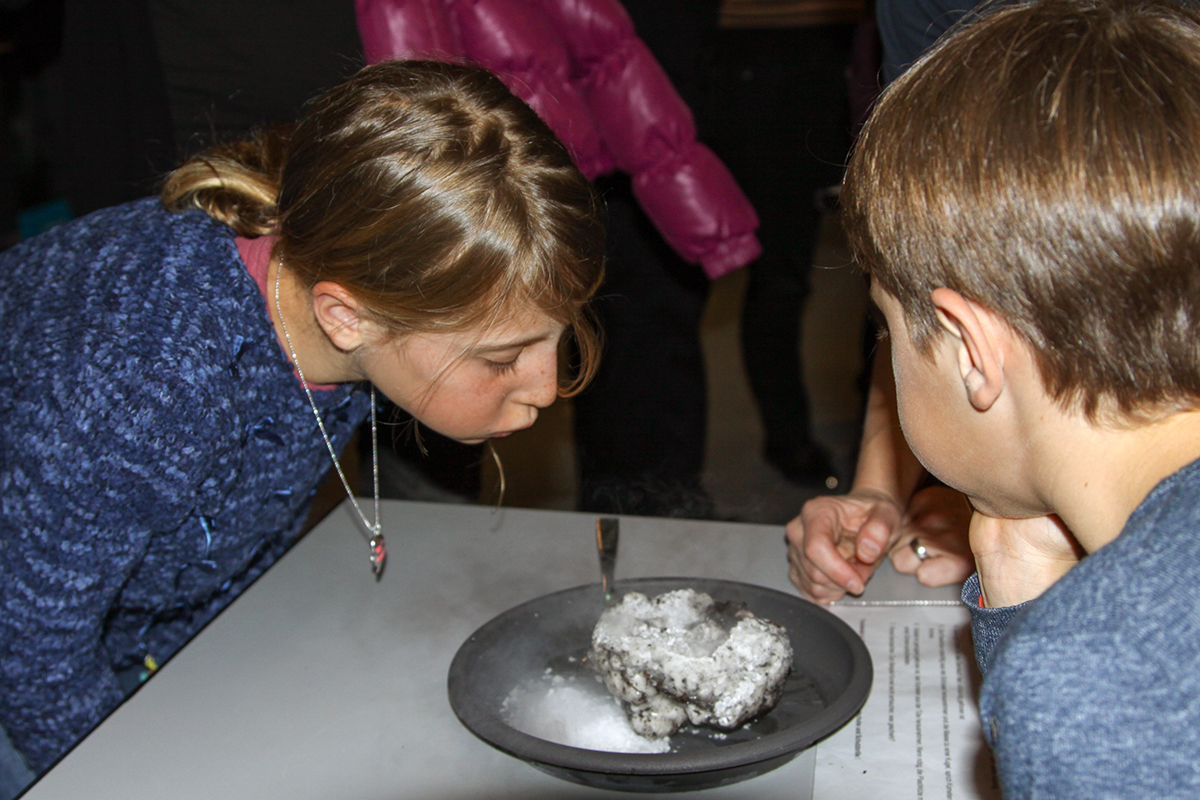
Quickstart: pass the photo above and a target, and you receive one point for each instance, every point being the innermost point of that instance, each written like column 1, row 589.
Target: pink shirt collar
column 256, row 255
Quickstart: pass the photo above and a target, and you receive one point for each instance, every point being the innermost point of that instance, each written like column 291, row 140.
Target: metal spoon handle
column 607, row 533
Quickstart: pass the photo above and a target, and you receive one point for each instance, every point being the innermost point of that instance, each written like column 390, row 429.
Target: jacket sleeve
column 689, row 194
column 987, row 624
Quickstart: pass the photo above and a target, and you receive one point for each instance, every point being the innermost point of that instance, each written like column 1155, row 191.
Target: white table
column 321, row 683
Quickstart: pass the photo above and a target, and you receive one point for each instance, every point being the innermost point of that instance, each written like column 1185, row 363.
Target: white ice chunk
column 670, row 661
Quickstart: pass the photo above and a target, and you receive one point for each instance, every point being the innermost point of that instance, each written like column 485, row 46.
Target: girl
column 419, row 230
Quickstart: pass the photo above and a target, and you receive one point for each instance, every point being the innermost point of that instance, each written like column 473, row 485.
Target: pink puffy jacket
column 580, row 65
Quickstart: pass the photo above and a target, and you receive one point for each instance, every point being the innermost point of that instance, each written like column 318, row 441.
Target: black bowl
column 830, row 679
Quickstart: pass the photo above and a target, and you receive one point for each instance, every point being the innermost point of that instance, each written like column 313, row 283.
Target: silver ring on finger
column 921, row 550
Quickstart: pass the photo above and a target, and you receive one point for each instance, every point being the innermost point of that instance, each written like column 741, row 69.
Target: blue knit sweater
column 1092, row 691
column 157, row 455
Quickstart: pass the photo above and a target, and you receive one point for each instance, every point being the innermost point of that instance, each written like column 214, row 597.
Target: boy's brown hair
column 1044, row 161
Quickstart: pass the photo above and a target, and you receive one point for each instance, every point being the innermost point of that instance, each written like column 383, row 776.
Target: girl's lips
column 502, row 434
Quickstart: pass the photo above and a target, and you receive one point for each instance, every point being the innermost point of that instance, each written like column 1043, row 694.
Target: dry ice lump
column 671, row 661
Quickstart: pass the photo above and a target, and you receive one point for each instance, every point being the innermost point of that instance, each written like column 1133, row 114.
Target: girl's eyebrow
column 497, row 346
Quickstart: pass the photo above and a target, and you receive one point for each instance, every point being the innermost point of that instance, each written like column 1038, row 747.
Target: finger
column 810, row 580
column 793, row 533
column 875, row 536
column 944, row 540
column 819, row 586
column 823, row 595
column 944, row 570
column 903, row 557
column 815, row 537
column 822, row 560
column 819, row 591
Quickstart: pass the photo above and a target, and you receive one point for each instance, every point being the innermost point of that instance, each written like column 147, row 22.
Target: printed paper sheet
column 918, row 735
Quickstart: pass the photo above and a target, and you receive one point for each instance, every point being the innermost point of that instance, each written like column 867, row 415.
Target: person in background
column 640, row 427
column 778, row 114
column 893, row 509
column 177, row 374
column 907, row 28
column 1024, row 202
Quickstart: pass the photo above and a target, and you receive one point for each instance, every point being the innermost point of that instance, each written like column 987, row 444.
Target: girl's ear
column 339, row 314
column 980, row 338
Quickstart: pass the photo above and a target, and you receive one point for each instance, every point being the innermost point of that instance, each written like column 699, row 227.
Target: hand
column 837, row 542
column 1018, row 559
column 938, row 517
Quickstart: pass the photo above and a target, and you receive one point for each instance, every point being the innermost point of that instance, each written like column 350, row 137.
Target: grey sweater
column 157, row 455
column 1093, row 690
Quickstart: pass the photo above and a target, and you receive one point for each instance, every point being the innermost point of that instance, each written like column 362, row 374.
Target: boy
column 1026, row 201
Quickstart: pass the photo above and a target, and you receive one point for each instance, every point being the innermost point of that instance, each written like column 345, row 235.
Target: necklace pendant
column 378, row 555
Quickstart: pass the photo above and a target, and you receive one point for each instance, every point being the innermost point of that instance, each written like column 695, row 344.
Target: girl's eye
column 881, row 327
column 500, row 367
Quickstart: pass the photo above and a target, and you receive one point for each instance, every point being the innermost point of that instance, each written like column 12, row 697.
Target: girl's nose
column 542, row 387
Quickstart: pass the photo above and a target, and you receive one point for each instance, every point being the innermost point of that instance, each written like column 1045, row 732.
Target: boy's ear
column 339, row 314
column 979, row 338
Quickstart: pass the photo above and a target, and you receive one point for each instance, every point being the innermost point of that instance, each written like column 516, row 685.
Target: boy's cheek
column 939, row 442
column 937, row 419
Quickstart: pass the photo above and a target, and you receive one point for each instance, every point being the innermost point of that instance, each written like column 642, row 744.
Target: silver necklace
column 375, row 533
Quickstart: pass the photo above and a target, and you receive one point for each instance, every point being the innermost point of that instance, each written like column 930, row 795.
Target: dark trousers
column 777, row 113
column 640, row 425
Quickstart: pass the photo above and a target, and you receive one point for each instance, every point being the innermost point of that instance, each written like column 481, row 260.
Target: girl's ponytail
column 236, row 183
